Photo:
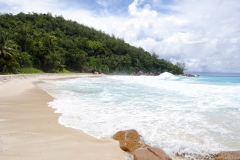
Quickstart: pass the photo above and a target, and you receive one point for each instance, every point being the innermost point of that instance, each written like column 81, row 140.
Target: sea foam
column 183, row 117
column 167, row 76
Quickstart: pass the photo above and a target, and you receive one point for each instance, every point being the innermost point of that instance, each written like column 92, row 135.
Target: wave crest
column 167, row 76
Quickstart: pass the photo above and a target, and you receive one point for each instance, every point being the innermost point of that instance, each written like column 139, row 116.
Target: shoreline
column 29, row 128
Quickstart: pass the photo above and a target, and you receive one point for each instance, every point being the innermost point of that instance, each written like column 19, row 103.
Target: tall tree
column 181, row 66
column 8, row 55
column 50, row 43
column 7, row 47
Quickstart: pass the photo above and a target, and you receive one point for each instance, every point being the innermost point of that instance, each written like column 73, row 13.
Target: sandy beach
column 29, row 128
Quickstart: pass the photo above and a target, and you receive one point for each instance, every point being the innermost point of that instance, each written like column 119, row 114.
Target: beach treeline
column 48, row 43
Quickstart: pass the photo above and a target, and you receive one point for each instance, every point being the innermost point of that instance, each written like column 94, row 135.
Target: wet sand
column 29, row 128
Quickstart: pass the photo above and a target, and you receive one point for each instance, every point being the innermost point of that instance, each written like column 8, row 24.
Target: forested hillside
column 53, row 44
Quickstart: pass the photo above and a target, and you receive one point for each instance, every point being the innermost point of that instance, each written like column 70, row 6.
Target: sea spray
column 194, row 117
column 167, row 76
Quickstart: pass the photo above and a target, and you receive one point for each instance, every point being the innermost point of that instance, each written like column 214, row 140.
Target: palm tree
column 9, row 64
column 6, row 46
column 8, row 55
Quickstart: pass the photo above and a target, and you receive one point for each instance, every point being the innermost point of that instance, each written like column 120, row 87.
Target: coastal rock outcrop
column 228, row 155
column 190, row 75
column 150, row 153
column 129, row 140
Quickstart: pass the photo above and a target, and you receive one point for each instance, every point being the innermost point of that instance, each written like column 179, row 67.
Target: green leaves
column 51, row 43
column 8, row 55
column 9, row 64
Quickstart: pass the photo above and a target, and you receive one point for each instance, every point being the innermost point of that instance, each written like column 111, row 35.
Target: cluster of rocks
column 137, row 73
column 131, row 142
column 189, row 75
column 141, row 73
column 228, row 155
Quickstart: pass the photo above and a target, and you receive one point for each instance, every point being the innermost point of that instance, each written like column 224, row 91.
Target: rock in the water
column 120, row 136
column 129, row 140
column 150, row 153
column 228, row 155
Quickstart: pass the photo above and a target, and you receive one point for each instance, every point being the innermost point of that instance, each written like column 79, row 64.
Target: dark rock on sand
column 228, row 155
column 150, row 153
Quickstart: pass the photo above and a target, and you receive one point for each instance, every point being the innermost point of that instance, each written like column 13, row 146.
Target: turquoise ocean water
column 190, row 116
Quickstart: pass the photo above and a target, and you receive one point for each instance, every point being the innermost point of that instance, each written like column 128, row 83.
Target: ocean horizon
column 194, row 117
column 215, row 74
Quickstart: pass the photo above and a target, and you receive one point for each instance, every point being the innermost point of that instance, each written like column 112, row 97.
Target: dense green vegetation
column 29, row 70
column 53, row 44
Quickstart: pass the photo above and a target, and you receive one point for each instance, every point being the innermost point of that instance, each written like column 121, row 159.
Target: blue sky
column 204, row 34
column 116, row 7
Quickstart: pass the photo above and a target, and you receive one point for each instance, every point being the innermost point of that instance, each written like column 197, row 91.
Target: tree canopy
column 51, row 43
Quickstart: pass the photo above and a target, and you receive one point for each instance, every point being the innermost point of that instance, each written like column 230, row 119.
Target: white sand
column 29, row 129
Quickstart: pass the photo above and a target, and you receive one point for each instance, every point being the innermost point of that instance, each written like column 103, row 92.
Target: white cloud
column 156, row 1
column 203, row 34
column 135, row 11
column 102, row 3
